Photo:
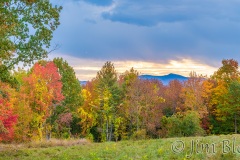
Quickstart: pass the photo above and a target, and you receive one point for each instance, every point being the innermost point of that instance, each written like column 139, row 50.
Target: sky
column 155, row 37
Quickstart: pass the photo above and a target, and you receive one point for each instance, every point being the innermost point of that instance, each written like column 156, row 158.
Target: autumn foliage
column 38, row 93
column 48, row 101
column 7, row 118
column 44, row 87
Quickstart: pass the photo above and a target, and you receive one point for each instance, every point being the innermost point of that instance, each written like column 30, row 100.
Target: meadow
column 220, row 147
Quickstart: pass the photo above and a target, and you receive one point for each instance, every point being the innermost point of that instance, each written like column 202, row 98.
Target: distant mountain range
column 83, row 82
column 164, row 79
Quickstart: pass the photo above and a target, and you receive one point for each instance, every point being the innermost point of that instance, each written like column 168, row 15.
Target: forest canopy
column 48, row 101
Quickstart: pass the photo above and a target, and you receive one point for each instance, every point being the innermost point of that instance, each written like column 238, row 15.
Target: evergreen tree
column 108, row 92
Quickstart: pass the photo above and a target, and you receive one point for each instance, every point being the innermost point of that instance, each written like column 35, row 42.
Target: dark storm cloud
column 152, row 30
column 152, row 12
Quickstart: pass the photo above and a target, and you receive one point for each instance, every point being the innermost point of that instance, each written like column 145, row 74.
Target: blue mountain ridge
column 83, row 82
column 165, row 79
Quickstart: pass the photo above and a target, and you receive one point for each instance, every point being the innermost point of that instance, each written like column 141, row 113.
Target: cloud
column 151, row 13
column 86, row 69
column 152, row 31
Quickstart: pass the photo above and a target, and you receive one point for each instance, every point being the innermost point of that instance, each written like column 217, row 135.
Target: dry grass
column 44, row 144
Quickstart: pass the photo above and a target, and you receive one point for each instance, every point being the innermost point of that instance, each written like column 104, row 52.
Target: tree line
column 48, row 101
column 125, row 107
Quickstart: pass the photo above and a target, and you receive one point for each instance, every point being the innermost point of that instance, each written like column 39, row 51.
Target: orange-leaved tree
column 44, row 89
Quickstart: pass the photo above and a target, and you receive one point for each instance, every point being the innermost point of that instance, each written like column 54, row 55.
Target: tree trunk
column 110, row 134
column 137, row 123
column 107, row 130
column 40, row 128
column 235, row 123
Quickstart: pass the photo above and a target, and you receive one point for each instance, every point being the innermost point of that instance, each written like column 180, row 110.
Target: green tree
column 222, row 94
column 7, row 77
column 26, row 28
column 179, row 125
column 108, row 99
column 71, row 86
column 71, row 90
column 233, row 106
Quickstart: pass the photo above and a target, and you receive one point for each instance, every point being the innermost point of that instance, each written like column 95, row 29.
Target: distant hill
column 165, row 79
column 83, row 82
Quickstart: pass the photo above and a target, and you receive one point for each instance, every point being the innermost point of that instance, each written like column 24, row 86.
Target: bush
column 182, row 125
column 191, row 125
column 90, row 137
column 66, row 135
column 139, row 135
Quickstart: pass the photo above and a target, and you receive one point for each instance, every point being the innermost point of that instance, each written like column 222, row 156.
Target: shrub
column 140, row 134
column 179, row 125
column 90, row 137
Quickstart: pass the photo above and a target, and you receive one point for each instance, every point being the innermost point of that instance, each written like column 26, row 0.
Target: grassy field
column 210, row 147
